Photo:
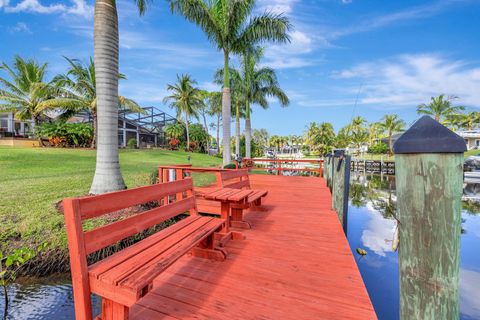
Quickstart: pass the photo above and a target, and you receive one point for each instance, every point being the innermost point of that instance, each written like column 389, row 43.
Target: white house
column 472, row 138
column 11, row 127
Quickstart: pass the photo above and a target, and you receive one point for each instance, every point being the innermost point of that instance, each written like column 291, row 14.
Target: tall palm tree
column 391, row 123
column 259, row 83
column 439, row 107
column 229, row 26
column 185, row 98
column 27, row 94
column 78, row 83
column 107, row 172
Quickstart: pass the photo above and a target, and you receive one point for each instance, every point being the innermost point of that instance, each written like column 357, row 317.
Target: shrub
column 378, row 148
column 132, row 143
column 62, row 134
column 230, row 166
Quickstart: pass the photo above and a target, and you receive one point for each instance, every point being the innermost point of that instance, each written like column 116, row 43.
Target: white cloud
column 77, row 7
column 276, row 6
column 3, row 3
column 290, row 55
column 379, row 232
column 20, row 27
column 469, row 293
column 408, row 80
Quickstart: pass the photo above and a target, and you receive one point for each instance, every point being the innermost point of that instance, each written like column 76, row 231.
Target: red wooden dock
column 295, row 264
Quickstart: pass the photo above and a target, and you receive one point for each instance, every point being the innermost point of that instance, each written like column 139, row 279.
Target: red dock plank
column 295, row 264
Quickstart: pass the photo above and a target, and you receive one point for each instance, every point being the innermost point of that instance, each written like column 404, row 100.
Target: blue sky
column 392, row 55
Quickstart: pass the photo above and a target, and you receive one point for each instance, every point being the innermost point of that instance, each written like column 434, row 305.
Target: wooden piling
column 429, row 182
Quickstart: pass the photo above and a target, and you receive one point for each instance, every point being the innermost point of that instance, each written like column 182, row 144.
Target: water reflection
column 49, row 298
column 373, row 227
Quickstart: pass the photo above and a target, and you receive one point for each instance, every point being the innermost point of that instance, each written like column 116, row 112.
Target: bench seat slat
column 150, row 271
column 119, row 230
column 257, row 194
column 147, row 257
column 117, row 258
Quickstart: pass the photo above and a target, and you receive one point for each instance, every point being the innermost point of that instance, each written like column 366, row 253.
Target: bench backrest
column 81, row 243
column 236, row 179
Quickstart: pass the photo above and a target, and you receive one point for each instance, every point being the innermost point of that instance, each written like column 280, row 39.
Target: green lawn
column 33, row 180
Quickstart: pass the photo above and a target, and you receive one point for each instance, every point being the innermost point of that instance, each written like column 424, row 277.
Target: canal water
column 371, row 226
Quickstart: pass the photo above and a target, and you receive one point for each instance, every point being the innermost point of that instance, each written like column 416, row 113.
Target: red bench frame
column 117, row 299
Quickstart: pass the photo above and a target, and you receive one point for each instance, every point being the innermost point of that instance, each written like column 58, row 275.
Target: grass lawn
column 472, row 153
column 33, row 180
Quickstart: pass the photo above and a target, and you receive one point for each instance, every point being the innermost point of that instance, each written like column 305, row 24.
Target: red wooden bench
column 239, row 179
column 124, row 277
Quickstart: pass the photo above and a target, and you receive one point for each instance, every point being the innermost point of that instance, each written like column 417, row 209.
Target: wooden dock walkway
column 294, row 264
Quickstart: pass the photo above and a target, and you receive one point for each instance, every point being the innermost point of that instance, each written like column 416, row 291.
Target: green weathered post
column 429, row 179
column 341, row 183
column 327, row 169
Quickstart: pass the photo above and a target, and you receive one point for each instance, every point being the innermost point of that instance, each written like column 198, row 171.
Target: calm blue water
column 371, row 226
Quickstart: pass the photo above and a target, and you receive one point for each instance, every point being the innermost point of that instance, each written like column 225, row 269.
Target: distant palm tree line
column 321, row 138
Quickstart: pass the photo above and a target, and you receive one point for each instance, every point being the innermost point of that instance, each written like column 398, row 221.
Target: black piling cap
column 429, row 136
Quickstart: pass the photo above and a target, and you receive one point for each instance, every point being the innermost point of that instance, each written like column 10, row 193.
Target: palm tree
column 311, row 135
column 227, row 24
column 238, row 102
column 79, row 84
column 174, row 131
column 326, row 137
column 258, row 84
column 469, row 121
column 375, row 130
column 215, row 101
column 203, row 109
column 185, row 98
column 107, row 172
column 27, row 94
column 391, row 123
column 439, row 107
column 260, row 136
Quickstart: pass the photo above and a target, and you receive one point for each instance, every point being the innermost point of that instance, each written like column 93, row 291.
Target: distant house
column 472, row 138
column 146, row 129
column 11, row 127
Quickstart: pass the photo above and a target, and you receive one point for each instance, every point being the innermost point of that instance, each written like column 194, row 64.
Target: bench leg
column 113, row 311
column 207, row 250
column 237, row 219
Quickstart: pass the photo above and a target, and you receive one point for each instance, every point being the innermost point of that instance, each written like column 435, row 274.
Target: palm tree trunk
column 94, row 125
column 218, row 134
column 226, row 112
column 237, row 131
column 206, row 129
column 188, row 133
column 107, row 173
column 248, row 132
column 437, row 117
column 390, row 143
